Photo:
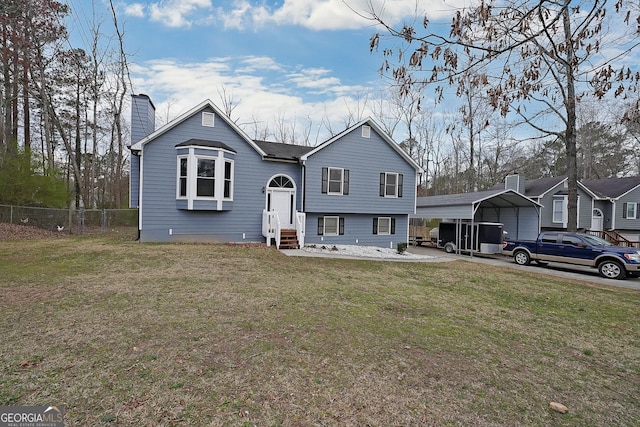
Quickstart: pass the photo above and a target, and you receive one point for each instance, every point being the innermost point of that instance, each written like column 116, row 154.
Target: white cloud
column 316, row 96
column 135, row 9
column 178, row 13
column 332, row 14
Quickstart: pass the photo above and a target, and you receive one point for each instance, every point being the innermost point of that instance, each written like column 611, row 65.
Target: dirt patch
column 27, row 232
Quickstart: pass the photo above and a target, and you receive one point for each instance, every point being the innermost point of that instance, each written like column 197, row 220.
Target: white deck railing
column 301, row 220
column 271, row 226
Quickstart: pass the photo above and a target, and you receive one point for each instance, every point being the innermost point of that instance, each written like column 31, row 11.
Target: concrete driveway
column 585, row 274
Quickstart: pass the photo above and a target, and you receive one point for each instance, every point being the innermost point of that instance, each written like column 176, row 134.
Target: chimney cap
column 144, row 95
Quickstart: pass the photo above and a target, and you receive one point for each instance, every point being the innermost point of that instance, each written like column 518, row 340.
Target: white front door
column 596, row 220
column 281, row 198
column 282, row 203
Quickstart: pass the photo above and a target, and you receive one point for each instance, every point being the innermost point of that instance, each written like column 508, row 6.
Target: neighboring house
column 604, row 204
column 200, row 177
column 618, row 204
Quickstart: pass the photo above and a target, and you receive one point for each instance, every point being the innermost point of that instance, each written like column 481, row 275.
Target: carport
column 519, row 214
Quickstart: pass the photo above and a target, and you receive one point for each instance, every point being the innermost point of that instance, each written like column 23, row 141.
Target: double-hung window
column 330, row 226
column 630, row 210
column 558, row 210
column 335, row 181
column 206, row 181
column 384, row 225
column 391, row 184
column 182, row 177
column 228, row 179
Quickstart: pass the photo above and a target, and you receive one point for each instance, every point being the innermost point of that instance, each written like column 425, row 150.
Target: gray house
column 200, row 177
column 604, row 205
column 617, row 204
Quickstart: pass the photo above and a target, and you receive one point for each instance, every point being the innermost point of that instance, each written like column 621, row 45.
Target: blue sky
column 297, row 61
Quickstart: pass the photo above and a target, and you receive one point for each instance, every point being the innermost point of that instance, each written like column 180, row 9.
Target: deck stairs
column 288, row 239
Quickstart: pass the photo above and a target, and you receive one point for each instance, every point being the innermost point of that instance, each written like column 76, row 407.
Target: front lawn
column 129, row 334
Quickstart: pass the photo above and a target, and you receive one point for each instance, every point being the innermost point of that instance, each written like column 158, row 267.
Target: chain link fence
column 74, row 221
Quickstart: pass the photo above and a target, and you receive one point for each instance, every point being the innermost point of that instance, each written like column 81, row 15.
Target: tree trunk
column 570, row 133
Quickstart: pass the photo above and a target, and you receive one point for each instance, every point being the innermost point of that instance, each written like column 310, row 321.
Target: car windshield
column 596, row 241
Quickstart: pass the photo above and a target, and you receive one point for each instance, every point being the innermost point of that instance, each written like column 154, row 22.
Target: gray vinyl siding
column 160, row 212
column 365, row 158
column 626, row 224
column 142, row 118
column 585, row 208
column 358, row 230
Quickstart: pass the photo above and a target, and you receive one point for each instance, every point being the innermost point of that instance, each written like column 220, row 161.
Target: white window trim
column 366, row 131
column 215, row 177
column 334, row 193
column 224, row 179
column 208, row 119
column 386, row 174
column 324, row 229
column 178, row 196
column 563, row 211
column 635, row 210
column 388, row 219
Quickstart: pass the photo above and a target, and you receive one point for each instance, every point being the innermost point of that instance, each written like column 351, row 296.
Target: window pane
column 557, row 210
column 384, row 225
column 331, row 226
column 206, row 167
column 392, row 178
column 183, row 167
column 335, row 187
column 227, row 170
column 391, row 186
column 335, row 181
column 205, row 187
column 183, row 187
column 227, row 189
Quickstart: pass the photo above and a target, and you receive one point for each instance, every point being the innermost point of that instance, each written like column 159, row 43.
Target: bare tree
column 228, row 103
column 548, row 54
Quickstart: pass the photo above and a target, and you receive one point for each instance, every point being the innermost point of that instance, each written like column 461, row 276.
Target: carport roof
column 464, row 205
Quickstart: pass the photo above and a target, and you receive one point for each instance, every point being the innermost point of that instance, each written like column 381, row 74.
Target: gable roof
column 463, row 205
column 612, row 187
column 537, row 188
column 370, row 122
column 184, row 116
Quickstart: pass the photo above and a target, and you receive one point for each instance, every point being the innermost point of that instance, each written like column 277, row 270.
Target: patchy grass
column 122, row 333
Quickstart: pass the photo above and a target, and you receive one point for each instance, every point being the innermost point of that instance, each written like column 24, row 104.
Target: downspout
column 303, row 163
column 613, row 215
column 140, row 196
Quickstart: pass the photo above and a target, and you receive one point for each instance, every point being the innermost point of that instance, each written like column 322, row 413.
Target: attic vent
column 366, row 131
column 207, row 119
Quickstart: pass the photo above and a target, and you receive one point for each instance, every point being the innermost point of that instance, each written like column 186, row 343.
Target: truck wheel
column 449, row 248
column 522, row 258
column 611, row 269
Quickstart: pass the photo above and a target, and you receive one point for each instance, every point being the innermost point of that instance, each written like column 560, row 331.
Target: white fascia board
column 627, row 192
column 544, row 193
